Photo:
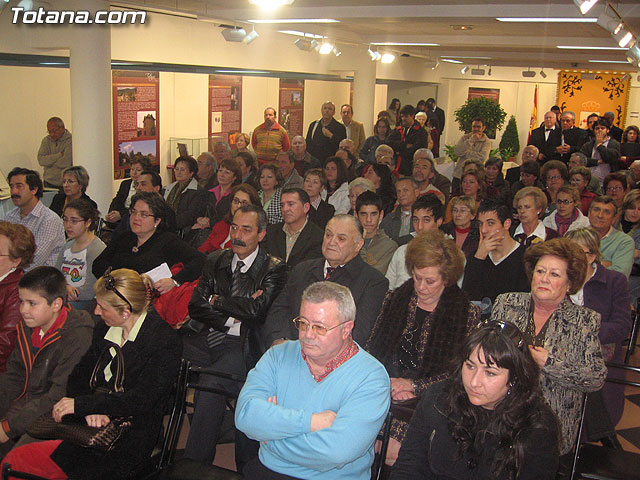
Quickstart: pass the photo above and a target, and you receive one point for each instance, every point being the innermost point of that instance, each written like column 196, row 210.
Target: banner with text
column 225, row 108
column 292, row 106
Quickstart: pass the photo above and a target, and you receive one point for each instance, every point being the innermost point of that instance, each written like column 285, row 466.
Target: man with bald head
column 571, row 138
column 529, row 154
column 269, row 138
column 546, row 138
column 341, row 262
column 302, row 159
column 55, row 152
column 324, row 135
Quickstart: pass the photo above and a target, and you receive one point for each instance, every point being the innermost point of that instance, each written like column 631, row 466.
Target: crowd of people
column 343, row 276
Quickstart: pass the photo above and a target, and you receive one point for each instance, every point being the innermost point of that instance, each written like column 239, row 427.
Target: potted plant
column 510, row 144
column 491, row 112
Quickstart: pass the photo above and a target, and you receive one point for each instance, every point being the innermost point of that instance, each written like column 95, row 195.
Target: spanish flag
column 533, row 123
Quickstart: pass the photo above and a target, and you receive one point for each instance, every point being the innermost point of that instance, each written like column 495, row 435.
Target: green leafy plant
column 450, row 151
column 510, row 143
column 491, row 112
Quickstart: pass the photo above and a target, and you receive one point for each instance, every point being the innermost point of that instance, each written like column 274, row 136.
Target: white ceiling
column 507, row 44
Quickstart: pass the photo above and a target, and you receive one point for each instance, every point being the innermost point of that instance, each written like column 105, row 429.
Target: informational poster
column 292, row 105
column 225, row 108
column 492, row 94
column 135, row 119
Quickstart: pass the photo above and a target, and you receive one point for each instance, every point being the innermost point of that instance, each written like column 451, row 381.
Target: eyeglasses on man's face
column 303, row 325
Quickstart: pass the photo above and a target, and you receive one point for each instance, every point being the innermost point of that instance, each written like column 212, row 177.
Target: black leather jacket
column 267, row 273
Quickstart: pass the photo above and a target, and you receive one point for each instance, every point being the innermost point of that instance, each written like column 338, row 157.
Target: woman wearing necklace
column 422, row 323
column 464, row 227
column 148, row 245
column 565, row 336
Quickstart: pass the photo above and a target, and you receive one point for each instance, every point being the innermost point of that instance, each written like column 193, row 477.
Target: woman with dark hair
column 564, row 336
column 580, row 178
column 77, row 255
column 270, row 191
column 630, row 147
column 315, row 182
column 219, row 238
column 185, row 197
column 380, row 176
column 380, row 136
column 394, row 112
column 488, row 420
column 603, row 152
column 471, row 185
column 493, row 178
column 75, row 181
column 350, row 161
column 337, row 184
column 616, row 186
column 151, row 352
column 17, row 247
column 422, row 323
column 148, row 246
column 554, row 174
column 122, row 201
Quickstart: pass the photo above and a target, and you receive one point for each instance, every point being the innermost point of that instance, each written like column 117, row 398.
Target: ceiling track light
column 478, row 71
column 633, row 55
column 336, row 51
column 542, row 74
column 251, row 36
column 528, row 73
column 387, row 57
column 325, row 48
column 303, row 44
column 489, row 73
column 374, row 55
column 234, row 34
column 315, row 45
column 626, row 77
column 585, row 5
column 624, row 38
column 464, row 70
column 610, row 23
column 270, row 4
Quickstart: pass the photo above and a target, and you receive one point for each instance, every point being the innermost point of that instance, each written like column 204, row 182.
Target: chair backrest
column 378, row 462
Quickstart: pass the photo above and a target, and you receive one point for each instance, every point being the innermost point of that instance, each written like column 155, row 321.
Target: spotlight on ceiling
column 270, row 4
column 528, row 73
column 585, row 5
column 626, row 77
column 464, row 70
column 303, row 44
column 633, row 55
column 387, row 58
column 477, row 71
column 624, row 37
column 374, row 55
column 610, row 23
column 251, row 36
column 315, row 45
column 542, row 74
column 432, row 64
column 234, row 34
column 336, row 51
column 325, row 48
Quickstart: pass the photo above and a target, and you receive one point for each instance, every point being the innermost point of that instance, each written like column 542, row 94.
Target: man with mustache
column 228, row 310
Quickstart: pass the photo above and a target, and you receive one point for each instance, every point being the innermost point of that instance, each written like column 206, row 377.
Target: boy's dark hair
column 156, row 179
column 48, row 282
column 31, row 177
column 368, row 198
column 429, row 201
column 494, row 205
column 408, row 110
column 302, row 195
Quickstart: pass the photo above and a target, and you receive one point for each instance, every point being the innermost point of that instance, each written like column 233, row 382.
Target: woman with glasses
column 564, row 336
column 422, row 323
column 567, row 215
column 616, row 186
column 488, row 420
column 152, row 352
column 75, row 181
column 464, row 227
column 148, row 245
column 219, row 238
column 554, row 174
column 77, row 255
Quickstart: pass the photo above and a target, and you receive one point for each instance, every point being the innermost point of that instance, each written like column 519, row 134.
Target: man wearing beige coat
column 474, row 145
column 355, row 130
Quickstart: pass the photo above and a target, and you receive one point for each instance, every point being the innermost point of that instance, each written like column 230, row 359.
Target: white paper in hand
column 160, row 272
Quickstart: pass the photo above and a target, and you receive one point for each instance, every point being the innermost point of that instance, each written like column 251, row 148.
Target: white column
column 90, row 72
column 364, row 90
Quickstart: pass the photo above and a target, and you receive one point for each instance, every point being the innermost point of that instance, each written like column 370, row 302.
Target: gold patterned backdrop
column 607, row 92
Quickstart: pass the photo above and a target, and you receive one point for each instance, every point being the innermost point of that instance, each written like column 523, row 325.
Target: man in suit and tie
column 296, row 238
column 355, row 130
column 571, row 138
column 546, row 138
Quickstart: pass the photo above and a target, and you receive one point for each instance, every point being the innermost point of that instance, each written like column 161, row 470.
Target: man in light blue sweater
column 315, row 404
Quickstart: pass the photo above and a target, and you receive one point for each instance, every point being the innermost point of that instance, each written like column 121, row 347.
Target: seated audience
column 397, row 224
column 617, row 248
column 315, row 183
column 17, row 247
column 564, row 336
column 151, row 351
column 489, row 420
column 207, row 168
column 149, row 245
column 554, row 174
column 76, row 257
column 494, row 179
column 580, row 179
column 270, row 191
column 122, row 201
column 184, row 196
column 219, row 237
column 463, row 227
column 497, row 266
column 51, row 340
column 322, row 397
column 567, row 215
column 75, row 181
column 340, row 262
column 616, row 186
column 422, row 323
column 218, row 199
column 337, row 184
column 302, row 159
column 48, row 231
column 426, row 214
column 603, row 152
column 296, row 238
column 356, row 188
column 425, row 174
column 607, row 293
column 530, row 203
column 378, row 248
column 630, row 147
column 380, row 176
column 380, row 136
column 528, row 154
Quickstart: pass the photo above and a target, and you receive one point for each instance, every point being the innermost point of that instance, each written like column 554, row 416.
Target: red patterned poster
column 225, row 107
column 292, row 105
column 135, row 119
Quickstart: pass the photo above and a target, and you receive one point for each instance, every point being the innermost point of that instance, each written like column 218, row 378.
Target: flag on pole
column 533, row 123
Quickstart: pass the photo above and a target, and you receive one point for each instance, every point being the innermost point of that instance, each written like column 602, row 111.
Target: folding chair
column 603, row 463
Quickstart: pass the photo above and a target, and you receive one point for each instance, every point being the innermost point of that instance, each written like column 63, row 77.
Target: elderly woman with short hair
column 320, row 212
column 422, row 323
column 564, row 336
column 530, row 203
column 356, row 187
column 580, row 177
column 463, row 227
column 75, row 181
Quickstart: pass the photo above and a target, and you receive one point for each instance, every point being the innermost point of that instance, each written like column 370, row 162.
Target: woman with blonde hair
column 530, row 203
